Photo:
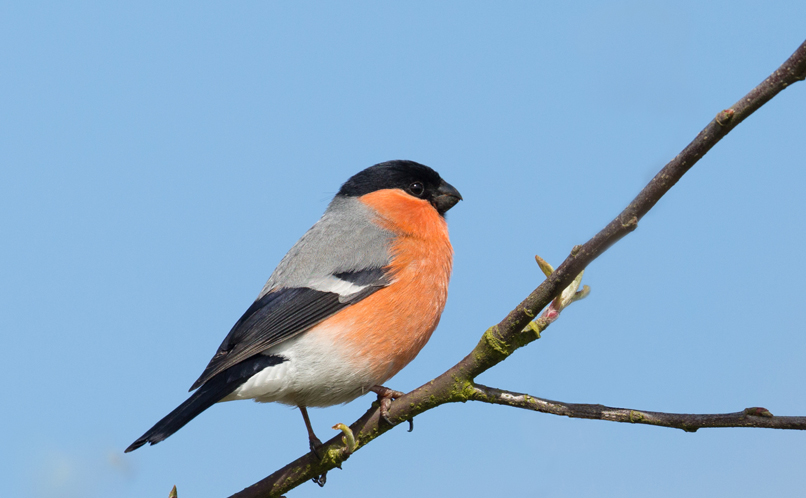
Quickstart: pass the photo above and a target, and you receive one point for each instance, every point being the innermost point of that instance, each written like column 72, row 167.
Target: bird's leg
column 313, row 441
column 385, row 397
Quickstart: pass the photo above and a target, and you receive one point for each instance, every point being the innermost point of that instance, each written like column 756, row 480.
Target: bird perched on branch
column 351, row 304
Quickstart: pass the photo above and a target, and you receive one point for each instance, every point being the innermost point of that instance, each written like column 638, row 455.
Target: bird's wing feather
column 286, row 312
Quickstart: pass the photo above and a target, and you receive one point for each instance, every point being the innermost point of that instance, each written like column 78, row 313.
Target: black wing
column 282, row 314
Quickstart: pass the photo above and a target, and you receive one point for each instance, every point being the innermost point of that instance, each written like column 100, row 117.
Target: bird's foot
column 385, row 397
column 315, row 444
column 320, row 480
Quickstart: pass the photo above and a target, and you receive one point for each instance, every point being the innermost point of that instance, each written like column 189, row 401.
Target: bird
column 350, row 304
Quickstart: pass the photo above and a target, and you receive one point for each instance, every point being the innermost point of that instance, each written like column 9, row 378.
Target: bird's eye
column 417, row 189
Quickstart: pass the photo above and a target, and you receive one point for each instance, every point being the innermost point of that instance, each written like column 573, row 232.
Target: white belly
column 315, row 373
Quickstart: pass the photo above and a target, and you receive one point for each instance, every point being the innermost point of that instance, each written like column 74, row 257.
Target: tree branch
column 518, row 329
column 749, row 417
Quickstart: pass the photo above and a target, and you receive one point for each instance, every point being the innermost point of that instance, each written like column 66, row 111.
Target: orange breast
column 386, row 330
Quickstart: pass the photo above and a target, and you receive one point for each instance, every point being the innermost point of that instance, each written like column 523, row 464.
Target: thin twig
column 749, row 417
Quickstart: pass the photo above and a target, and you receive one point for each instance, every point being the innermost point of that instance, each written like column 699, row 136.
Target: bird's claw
column 320, row 480
column 385, row 404
column 314, row 443
column 385, row 397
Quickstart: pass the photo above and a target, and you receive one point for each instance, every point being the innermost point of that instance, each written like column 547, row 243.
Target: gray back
column 345, row 239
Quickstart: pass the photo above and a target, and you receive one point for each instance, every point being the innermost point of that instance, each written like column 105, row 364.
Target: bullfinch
column 353, row 302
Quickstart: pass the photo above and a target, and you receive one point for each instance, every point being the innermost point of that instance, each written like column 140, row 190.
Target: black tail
column 213, row 391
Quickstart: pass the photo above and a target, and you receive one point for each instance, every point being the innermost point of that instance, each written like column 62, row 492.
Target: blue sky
column 158, row 160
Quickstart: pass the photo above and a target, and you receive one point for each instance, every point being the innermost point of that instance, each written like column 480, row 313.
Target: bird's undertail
column 211, row 392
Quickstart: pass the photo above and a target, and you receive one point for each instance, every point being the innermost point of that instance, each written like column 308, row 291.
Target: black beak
column 447, row 197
